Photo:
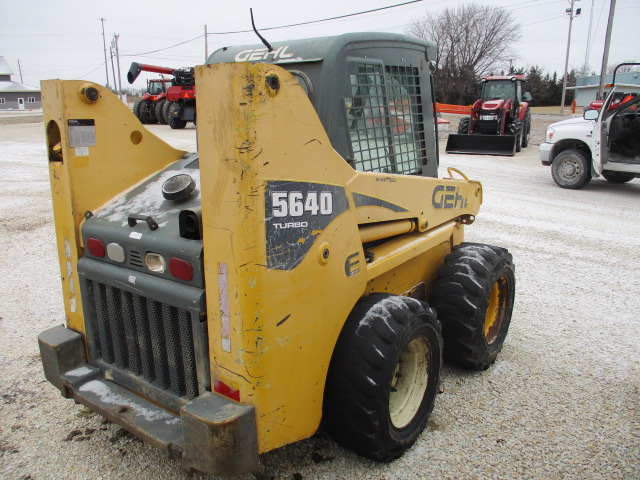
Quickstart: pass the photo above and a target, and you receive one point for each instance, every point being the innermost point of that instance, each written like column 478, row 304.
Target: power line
column 319, row 21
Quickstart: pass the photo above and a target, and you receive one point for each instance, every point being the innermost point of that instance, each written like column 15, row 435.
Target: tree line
column 472, row 41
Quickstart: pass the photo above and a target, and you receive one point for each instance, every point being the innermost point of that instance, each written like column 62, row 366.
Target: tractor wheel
column 158, row 111
column 473, row 295
column 384, row 376
column 526, row 129
column 463, row 126
column 618, row 177
column 516, row 129
column 147, row 114
column 175, row 121
column 165, row 111
column 136, row 109
column 571, row 169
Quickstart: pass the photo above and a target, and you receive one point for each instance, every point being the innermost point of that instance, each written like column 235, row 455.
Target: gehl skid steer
column 305, row 265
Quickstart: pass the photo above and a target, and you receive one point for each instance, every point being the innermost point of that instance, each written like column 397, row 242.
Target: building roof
column 5, row 69
column 7, row 87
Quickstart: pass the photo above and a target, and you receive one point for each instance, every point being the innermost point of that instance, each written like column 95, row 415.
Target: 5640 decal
column 294, row 204
column 295, row 214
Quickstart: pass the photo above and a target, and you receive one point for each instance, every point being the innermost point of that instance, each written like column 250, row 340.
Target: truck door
column 602, row 127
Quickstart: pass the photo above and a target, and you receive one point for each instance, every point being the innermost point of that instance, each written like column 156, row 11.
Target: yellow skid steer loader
column 304, row 266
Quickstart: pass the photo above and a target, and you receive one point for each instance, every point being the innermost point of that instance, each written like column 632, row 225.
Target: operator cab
column 373, row 93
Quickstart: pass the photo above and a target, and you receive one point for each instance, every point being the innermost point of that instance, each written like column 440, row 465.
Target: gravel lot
column 561, row 402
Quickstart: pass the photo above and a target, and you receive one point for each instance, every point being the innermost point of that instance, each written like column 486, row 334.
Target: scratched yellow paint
column 284, row 324
column 88, row 177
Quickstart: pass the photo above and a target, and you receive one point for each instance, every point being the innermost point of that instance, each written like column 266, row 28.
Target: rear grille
column 146, row 338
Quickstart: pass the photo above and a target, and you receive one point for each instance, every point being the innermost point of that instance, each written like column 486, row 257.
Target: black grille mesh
column 146, row 338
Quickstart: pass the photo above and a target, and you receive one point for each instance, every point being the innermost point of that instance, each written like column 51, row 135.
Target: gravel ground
column 561, row 402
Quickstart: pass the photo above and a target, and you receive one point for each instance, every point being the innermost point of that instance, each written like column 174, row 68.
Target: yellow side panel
column 271, row 331
column 96, row 151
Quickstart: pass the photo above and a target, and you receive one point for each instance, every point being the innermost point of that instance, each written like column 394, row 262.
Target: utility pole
column 605, row 55
column 116, row 36
column 206, row 44
column 104, row 44
column 566, row 62
column 20, row 70
column 113, row 68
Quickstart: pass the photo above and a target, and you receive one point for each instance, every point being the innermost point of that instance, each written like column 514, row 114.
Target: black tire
column 136, row 109
column 526, row 129
column 175, row 121
column 384, row 376
column 165, row 111
column 473, row 294
column 147, row 114
column 571, row 169
column 463, row 126
column 158, row 111
column 618, row 177
column 516, row 129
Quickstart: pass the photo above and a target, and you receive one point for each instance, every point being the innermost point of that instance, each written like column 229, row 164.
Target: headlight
column 155, row 262
column 549, row 134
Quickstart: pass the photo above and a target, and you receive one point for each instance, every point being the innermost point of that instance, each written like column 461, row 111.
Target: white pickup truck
column 603, row 142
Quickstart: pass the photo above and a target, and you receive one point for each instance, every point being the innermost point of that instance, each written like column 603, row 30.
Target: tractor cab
column 157, row 87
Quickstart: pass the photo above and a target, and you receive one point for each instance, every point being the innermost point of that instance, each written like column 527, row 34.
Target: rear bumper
column 210, row 434
column 545, row 153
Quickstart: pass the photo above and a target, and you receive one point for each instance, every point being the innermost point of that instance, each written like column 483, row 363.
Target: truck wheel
column 473, row 295
column 571, row 169
column 175, row 121
column 463, row 126
column 384, row 376
column 618, row 177
column 158, row 111
column 136, row 109
column 526, row 129
column 165, row 111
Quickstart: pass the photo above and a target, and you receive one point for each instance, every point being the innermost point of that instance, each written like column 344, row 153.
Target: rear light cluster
column 179, row 268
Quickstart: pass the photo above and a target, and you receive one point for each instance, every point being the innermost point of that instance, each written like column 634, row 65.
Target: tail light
column 155, row 262
column 181, row 269
column 224, row 389
column 95, row 247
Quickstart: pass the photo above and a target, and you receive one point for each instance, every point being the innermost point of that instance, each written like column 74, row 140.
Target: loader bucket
column 482, row 144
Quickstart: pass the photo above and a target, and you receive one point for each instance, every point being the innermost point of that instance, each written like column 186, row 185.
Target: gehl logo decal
column 258, row 54
column 447, row 196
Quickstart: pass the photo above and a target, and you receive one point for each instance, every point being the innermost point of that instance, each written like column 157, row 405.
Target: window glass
column 385, row 119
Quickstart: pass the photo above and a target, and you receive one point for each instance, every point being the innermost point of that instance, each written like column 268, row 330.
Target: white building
column 14, row 95
column 586, row 89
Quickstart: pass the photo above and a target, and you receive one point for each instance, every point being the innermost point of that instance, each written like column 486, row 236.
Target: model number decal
column 297, row 204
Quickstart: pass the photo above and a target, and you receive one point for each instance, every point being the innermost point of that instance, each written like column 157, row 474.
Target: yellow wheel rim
column 496, row 310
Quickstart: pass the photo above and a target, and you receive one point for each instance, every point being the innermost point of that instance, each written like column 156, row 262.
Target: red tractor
column 179, row 105
column 500, row 120
column 149, row 108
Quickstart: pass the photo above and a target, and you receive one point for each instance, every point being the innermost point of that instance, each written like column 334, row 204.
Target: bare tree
column 470, row 40
column 625, row 69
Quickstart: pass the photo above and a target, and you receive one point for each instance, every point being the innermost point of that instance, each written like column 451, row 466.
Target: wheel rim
column 570, row 169
column 409, row 382
column 496, row 310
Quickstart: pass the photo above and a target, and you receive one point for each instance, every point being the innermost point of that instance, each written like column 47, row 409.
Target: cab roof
column 315, row 49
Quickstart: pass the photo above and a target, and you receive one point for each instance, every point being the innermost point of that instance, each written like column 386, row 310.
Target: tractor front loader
column 300, row 268
column 500, row 119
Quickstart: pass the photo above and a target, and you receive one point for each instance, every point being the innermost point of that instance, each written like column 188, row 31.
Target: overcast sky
column 63, row 38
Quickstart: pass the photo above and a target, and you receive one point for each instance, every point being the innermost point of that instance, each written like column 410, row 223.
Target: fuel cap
column 178, row 187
